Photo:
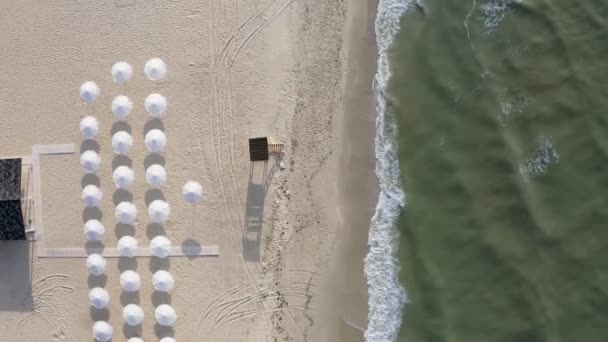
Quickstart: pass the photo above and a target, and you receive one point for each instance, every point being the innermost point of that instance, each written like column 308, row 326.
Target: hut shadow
column 260, row 179
column 159, row 298
column 127, row 298
column 99, row 314
column 16, row 276
column 89, row 144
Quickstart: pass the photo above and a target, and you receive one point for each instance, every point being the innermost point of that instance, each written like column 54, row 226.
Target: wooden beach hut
column 11, row 215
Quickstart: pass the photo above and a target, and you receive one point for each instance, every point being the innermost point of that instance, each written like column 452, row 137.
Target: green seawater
column 502, row 108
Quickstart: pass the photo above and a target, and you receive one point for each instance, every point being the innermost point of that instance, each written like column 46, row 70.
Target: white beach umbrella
column 90, row 160
column 121, row 72
column 130, row 281
column 125, row 212
column 133, row 314
column 135, row 339
column 156, row 175
column 192, row 192
column 89, row 127
column 159, row 211
column 160, row 246
column 163, row 281
column 99, row 298
column 165, row 315
column 96, row 264
column 127, row 246
column 167, row 339
column 155, row 104
column 122, row 107
column 89, row 92
column 94, row 230
column 102, row 331
column 155, row 140
column 122, row 142
column 91, row 195
column 123, row 177
column 155, row 69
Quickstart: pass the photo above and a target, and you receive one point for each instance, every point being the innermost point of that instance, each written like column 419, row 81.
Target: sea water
column 501, row 111
column 386, row 295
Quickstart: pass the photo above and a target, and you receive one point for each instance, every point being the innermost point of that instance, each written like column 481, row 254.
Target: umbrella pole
column 193, row 218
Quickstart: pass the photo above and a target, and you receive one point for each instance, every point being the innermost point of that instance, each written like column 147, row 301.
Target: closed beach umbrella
column 135, row 339
column 93, row 230
column 123, row 177
column 155, row 104
column 91, row 195
column 127, row 246
column 159, row 211
column 121, row 72
column 133, row 314
column 130, row 281
column 165, row 315
column 102, row 331
column 167, row 339
column 89, row 92
column 90, row 160
column 122, row 107
column 125, row 212
column 192, row 192
column 156, row 176
column 155, row 69
column 155, row 140
column 96, row 264
column 160, row 246
column 89, row 127
column 122, row 142
column 99, row 298
column 163, row 281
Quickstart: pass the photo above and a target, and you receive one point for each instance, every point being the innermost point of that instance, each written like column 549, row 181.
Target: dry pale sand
column 291, row 241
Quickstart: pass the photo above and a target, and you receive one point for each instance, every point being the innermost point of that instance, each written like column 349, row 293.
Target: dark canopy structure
column 11, row 215
column 258, row 149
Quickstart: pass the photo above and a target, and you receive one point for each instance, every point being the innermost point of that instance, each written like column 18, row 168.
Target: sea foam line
column 386, row 294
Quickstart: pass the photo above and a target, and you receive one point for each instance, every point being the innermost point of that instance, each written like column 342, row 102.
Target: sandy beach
column 291, row 241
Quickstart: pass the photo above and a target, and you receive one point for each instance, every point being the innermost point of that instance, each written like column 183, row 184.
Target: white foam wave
column 544, row 156
column 386, row 295
column 493, row 13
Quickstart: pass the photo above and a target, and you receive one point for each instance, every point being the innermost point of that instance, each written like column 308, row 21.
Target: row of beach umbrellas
column 103, row 332
column 126, row 212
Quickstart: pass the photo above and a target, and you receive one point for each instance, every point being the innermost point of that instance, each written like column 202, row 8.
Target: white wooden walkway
column 37, row 225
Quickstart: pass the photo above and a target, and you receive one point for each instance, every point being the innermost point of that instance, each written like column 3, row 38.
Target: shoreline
column 346, row 297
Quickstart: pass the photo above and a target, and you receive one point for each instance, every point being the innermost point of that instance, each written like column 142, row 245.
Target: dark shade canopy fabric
column 258, row 149
column 11, row 215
